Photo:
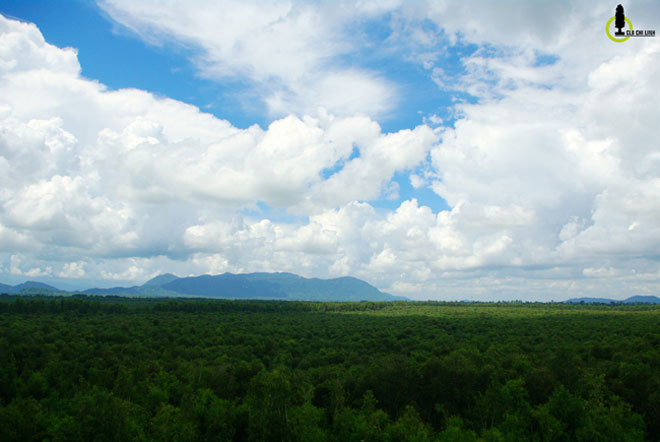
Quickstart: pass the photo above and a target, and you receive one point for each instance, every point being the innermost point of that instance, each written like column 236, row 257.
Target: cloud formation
column 550, row 163
column 291, row 52
column 112, row 174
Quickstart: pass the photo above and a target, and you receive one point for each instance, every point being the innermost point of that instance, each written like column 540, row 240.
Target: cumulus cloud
column 549, row 163
column 556, row 161
column 584, row 176
column 116, row 174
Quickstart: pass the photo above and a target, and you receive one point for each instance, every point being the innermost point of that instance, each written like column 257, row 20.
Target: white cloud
column 289, row 51
column 18, row 267
column 557, row 162
column 26, row 39
column 416, row 181
column 130, row 273
column 379, row 158
column 74, row 269
column 126, row 176
column 115, row 137
column 573, row 166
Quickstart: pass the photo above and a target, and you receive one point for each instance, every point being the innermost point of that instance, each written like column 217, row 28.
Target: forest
column 94, row 368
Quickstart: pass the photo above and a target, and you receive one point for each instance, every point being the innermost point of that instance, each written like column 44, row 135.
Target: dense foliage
column 116, row 369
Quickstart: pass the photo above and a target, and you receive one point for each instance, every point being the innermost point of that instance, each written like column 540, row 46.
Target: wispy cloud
column 296, row 54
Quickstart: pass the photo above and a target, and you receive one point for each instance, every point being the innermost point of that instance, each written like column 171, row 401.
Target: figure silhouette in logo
column 619, row 21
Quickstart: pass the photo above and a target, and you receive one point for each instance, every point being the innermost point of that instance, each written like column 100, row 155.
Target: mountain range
column 282, row 286
column 631, row 300
column 28, row 287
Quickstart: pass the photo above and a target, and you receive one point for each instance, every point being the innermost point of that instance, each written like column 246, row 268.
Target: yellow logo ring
column 607, row 30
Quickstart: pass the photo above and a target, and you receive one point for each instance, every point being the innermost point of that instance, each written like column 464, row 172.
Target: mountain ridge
column 27, row 286
column 283, row 286
column 263, row 285
column 260, row 285
column 631, row 300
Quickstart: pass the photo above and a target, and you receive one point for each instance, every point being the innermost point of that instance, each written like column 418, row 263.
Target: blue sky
column 418, row 145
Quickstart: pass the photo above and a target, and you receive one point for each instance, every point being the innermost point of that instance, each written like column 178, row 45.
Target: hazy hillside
column 30, row 286
column 642, row 300
column 281, row 286
column 631, row 300
column 276, row 286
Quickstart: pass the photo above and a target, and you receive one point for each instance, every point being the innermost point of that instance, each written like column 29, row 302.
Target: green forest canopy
column 110, row 368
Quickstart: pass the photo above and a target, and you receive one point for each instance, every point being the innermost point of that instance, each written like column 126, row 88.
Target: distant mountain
column 642, row 300
column 590, row 301
column 34, row 285
column 135, row 290
column 160, row 280
column 631, row 300
column 226, row 285
column 282, row 286
column 277, row 286
column 28, row 286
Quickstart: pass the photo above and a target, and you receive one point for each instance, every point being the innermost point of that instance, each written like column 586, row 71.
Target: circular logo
column 607, row 30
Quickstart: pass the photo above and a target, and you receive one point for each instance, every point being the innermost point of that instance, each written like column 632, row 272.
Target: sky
column 449, row 150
